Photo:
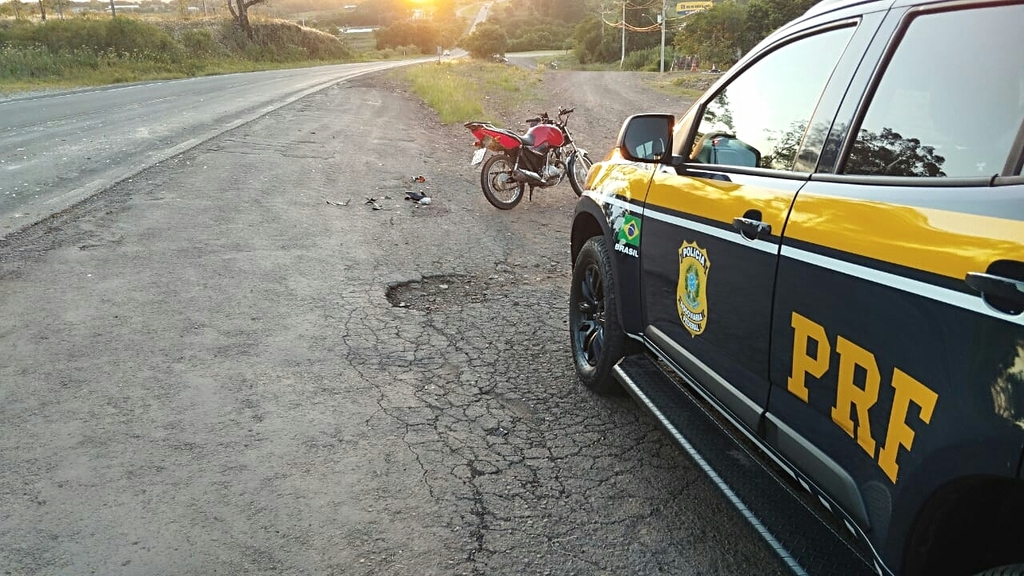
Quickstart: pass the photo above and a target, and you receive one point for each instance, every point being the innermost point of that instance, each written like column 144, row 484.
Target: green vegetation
column 425, row 34
column 64, row 51
column 690, row 85
column 486, row 40
column 457, row 90
column 89, row 52
column 715, row 37
column 720, row 35
column 521, row 26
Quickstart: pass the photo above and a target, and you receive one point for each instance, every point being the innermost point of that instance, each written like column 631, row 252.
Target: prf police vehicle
column 815, row 278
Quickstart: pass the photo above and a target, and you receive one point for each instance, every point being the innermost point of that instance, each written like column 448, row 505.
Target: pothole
column 447, row 291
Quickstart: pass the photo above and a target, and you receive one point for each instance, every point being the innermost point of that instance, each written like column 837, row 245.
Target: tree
column 241, row 15
column 587, row 39
column 571, row 11
column 486, row 40
column 765, row 16
column 444, row 9
column 60, row 6
column 13, row 7
column 891, row 154
column 423, row 34
column 716, row 35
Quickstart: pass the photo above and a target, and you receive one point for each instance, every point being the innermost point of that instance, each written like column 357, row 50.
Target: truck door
column 711, row 230
column 898, row 337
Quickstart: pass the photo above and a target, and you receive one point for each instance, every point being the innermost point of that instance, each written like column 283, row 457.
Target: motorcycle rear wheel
column 578, row 166
column 496, row 180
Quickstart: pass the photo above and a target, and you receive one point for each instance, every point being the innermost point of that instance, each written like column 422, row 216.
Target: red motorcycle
column 542, row 158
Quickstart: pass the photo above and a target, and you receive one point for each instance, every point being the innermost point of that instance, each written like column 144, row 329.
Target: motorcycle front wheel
column 496, row 180
column 578, row 166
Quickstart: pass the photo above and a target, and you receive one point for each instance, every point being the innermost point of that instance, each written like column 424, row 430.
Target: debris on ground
column 421, row 179
column 337, row 203
column 373, row 203
column 418, row 197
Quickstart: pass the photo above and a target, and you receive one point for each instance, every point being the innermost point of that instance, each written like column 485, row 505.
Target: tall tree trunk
column 42, row 10
column 113, row 11
column 242, row 16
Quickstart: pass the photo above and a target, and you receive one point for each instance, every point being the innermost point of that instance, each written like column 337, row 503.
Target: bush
column 646, row 60
column 530, row 36
column 129, row 35
column 121, row 36
column 486, row 40
column 290, row 41
column 201, row 43
column 84, row 51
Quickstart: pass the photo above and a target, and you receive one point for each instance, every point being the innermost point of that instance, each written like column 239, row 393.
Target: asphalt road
column 60, row 148
column 255, row 357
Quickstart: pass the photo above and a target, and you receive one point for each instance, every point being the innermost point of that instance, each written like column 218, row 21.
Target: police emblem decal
column 691, row 293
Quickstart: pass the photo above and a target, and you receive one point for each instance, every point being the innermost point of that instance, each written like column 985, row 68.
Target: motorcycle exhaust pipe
column 520, row 175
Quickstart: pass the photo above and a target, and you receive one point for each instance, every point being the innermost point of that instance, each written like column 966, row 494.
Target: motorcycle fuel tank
column 546, row 134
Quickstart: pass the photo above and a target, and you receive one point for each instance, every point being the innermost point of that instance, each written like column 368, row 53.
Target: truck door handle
column 752, row 229
column 1003, row 294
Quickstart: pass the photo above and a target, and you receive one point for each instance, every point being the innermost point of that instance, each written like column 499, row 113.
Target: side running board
column 793, row 530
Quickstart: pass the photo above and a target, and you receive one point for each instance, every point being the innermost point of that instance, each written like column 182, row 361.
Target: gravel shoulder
column 233, row 364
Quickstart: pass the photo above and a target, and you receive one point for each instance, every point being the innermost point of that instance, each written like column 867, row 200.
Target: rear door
column 898, row 339
column 711, row 231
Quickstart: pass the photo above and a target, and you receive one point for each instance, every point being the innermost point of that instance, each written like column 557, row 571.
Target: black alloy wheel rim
column 590, row 316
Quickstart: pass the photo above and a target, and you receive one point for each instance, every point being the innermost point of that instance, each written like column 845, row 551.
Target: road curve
column 61, row 148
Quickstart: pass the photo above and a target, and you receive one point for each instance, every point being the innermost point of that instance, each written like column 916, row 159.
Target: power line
column 631, row 27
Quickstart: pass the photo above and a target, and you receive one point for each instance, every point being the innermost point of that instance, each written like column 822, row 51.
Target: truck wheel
column 598, row 341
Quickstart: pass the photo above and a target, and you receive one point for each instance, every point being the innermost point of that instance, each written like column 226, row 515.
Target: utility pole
column 662, row 71
column 623, row 59
column 663, row 36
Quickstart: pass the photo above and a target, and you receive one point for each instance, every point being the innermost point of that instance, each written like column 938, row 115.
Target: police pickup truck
column 814, row 279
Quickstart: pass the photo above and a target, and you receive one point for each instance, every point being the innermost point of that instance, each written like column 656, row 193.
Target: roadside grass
column 360, row 41
column 472, row 90
column 93, row 52
column 691, row 84
column 33, row 68
column 688, row 84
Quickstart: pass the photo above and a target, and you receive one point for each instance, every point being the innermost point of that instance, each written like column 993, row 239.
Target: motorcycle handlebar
column 543, row 118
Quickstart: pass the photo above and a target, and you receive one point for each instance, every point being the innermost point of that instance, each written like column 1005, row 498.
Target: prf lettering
column 853, row 401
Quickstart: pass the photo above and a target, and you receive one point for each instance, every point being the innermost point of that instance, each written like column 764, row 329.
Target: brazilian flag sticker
column 630, row 231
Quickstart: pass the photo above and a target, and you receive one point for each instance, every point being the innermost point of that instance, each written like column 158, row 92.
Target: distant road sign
column 684, row 8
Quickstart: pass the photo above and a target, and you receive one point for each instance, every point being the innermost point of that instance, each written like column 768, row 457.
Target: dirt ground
column 234, row 364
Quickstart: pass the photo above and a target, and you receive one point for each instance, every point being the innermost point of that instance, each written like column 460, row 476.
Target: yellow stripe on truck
column 937, row 241
column 723, row 201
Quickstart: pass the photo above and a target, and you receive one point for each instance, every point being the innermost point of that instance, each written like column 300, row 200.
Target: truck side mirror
column 647, row 138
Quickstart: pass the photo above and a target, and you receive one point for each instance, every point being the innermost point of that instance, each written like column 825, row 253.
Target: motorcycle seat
column 526, row 139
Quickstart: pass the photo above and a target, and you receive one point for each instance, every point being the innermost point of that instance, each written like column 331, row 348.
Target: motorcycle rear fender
column 591, row 219
column 504, row 138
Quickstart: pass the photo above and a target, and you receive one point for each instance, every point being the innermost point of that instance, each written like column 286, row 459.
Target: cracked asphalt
column 234, row 364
